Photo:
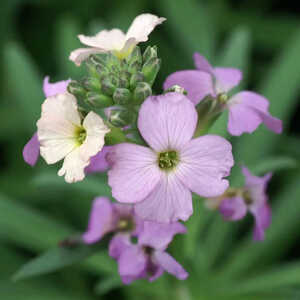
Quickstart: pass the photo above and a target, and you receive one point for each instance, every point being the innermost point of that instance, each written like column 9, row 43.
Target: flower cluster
column 155, row 148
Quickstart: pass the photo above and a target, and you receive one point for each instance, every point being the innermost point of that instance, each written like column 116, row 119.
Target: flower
column 31, row 151
column 63, row 135
column 247, row 110
column 115, row 40
column 108, row 217
column 98, row 163
column 148, row 258
column 252, row 198
column 160, row 179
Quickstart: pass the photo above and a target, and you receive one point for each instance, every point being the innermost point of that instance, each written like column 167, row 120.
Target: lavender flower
column 148, row 258
column 252, row 198
column 160, row 179
column 247, row 110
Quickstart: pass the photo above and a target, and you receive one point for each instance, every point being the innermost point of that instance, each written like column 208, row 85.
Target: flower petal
column 98, row 163
column 101, row 220
column 81, row 54
column 169, row 201
column 107, row 40
column 204, row 163
column 134, row 172
column 142, row 26
column 167, row 121
column 197, row 84
column 159, row 235
column 262, row 217
column 51, row 89
column 118, row 244
column 233, row 208
column 31, row 151
column 202, row 64
column 167, row 262
column 226, row 79
column 247, row 110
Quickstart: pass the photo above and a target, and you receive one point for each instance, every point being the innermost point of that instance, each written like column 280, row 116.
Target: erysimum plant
column 155, row 148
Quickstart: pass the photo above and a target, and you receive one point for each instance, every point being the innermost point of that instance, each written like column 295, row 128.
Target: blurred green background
column 38, row 209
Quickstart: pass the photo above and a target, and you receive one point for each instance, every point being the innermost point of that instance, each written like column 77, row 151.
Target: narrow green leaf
column 105, row 285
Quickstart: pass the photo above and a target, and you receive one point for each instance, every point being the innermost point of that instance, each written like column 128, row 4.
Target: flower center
column 222, row 98
column 126, row 224
column 148, row 250
column 247, row 197
column 168, row 160
column 80, row 135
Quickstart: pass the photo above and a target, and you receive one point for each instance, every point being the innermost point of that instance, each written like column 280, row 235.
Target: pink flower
column 253, row 198
column 31, row 151
column 160, row 179
column 247, row 110
column 115, row 40
column 148, row 258
column 63, row 135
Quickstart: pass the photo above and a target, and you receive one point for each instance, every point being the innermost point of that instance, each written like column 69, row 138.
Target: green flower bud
column 134, row 67
column 149, row 53
column 92, row 68
column 123, row 80
column 122, row 96
column 98, row 59
column 150, row 69
column 92, row 84
column 135, row 56
column 135, row 78
column 107, row 86
column 112, row 62
column 120, row 117
column 76, row 89
column 98, row 100
column 141, row 92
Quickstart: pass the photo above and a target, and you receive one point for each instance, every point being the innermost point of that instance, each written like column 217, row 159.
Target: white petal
column 106, row 40
column 81, row 54
column 95, row 133
column 142, row 26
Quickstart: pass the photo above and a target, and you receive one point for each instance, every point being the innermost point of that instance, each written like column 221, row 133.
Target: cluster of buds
column 121, row 84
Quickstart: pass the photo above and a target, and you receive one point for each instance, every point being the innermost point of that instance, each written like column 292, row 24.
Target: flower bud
column 141, row 92
column 92, row 84
column 122, row 96
column 149, row 53
column 135, row 78
column 76, row 89
column 107, row 86
column 92, row 68
column 134, row 67
column 135, row 56
column 150, row 69
column 98, row 100
column 121, row 117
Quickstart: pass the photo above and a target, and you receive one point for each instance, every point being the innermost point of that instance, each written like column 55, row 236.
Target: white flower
column 62, row 135
column 115, row 40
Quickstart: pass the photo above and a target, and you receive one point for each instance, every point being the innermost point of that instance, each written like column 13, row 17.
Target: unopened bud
column 149, row 53
column 92, row 68
column 150, row 69
column 76, row 89
column 135, row 56
column 122, row 96
column 135, row 78
column 121, row 117
column 141, row 92
column 98, row 100
column 92, row 84
column 134, row 67
column 107, row 86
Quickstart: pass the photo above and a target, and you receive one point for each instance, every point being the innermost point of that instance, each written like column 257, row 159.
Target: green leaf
column 24, row 83
column 54, row 260
column 105, row 285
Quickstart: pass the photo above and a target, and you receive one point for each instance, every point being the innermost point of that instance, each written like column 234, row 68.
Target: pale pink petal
column 233, row 208
column 159, row 235
column 262, row 217
column 107, row 40
column 168, row 263
column 118, row 244
column 197, row 84
column 202, row 64
column 167, row 121
column 51, row 89
column 134, row 172
column 169, row 201
column 81, row 54
column 31, row 151
column 142, row 26
column 101, row 220
column 204, row 162
column 98, row 163
column 247, row 110
column 226, row 79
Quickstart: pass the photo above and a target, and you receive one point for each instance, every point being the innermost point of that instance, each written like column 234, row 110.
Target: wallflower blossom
column 63, row 135
column 252, row 198
column 247, row 110
column 31, row 151
column 115, row 40
column 148, row 258
column 106, row 217
column 160, row 179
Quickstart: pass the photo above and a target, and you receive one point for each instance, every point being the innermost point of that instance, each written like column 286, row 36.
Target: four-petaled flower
column 252, row 198
column 63, row 135
column 160, row 179
column 247, row 110
column 115, row 40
